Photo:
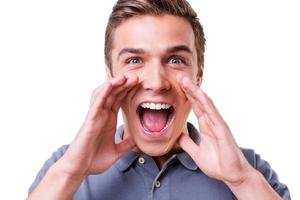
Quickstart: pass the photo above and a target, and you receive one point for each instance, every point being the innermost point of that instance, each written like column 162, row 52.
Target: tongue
column 155, row 120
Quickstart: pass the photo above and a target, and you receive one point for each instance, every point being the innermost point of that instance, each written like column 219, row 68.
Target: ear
column 200, row 76
column 199, row 80
column 108, row 73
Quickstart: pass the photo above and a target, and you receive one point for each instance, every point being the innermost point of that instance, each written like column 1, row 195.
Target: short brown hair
column 125, row 9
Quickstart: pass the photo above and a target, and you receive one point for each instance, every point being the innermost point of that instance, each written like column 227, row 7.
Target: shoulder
column 53, row 158
column 56, row 155
column 266, row 170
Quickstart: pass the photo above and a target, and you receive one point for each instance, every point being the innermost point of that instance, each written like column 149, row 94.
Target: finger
column 125, row 146
column 209, row 102
column 204, row 126
column 129, row 81
column 196, row 106
column 98, row 103
column 114, row 81
column 98, row 92
column 120, row 99
column 116, row 92
column 118, row 80
column 189, row 94
column 194, row 91
column 188, row 145
column 102, row 96
column 216, row 122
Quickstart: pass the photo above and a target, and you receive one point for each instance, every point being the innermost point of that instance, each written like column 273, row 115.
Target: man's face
column 156, row 49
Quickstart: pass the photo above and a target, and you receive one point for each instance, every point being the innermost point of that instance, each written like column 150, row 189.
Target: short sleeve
column 270, row 175
column 54, row 157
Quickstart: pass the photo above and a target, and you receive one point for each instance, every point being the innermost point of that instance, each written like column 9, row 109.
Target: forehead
column 153, row 33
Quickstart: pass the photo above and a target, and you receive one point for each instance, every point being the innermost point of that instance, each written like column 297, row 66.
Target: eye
column 134, row 60
column 176, row 60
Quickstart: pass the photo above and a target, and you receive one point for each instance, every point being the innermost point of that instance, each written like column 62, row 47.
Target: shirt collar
column 128, row 159
column 184, row 158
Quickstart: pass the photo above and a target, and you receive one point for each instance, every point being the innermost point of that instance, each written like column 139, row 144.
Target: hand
column 93, row 150
column 217, row 155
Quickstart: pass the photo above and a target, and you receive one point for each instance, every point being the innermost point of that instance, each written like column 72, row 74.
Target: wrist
column 60, row 169
column 253, row 186
column 56, row 184
column 248, row 177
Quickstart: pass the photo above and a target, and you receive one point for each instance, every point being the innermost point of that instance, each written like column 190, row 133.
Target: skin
column 157, row 68
column 157, row 78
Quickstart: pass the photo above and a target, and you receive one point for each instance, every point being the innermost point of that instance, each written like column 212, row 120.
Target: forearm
column 255, row 187
column 56, row 184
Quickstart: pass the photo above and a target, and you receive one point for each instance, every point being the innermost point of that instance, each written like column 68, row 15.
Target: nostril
column 157, row 85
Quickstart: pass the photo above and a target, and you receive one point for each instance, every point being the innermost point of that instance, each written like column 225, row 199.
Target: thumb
column 188, row 145
column 125, row 146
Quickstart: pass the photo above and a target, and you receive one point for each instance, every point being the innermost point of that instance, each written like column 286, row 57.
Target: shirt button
column 157, row 184
column 141, row 160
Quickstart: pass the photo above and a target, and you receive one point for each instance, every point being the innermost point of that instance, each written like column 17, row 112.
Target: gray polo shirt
column 136, row 176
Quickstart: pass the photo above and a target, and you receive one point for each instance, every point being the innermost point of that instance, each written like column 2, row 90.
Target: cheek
column 183, row 111
column 127, row 106
column 127, row 71
column 183, row 102
column 179, row 92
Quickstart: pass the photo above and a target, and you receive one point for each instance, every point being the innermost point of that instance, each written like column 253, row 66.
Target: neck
column 160, row 160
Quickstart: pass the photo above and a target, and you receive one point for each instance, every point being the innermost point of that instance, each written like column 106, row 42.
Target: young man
column 154, row 52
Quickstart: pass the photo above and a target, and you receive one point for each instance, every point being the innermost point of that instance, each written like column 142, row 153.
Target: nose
column 156, row 78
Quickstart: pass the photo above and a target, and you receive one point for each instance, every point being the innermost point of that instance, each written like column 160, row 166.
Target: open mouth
column 155, row 117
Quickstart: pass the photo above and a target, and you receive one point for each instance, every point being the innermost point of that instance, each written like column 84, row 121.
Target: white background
column 51, row 58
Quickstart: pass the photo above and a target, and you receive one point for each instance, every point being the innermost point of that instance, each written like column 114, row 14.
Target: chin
column 155, row 150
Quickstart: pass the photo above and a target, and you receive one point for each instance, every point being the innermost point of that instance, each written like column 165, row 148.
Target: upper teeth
column 156, row 106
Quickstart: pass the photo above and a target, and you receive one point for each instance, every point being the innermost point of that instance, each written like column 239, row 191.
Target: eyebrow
column 131, row 50
column 168, row 50
column 179, row 48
